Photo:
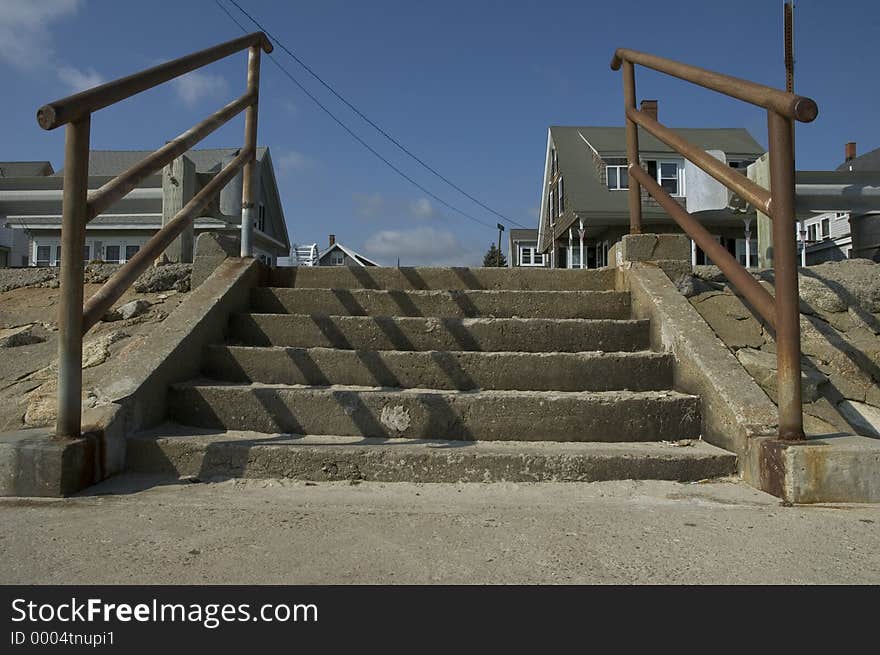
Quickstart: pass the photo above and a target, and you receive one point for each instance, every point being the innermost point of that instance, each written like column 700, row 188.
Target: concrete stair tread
column 443, row 278
column 577, row 371
column 183, row 450
column 443, row 334
column 442, row 302
column 609, row 396
column 463, row 320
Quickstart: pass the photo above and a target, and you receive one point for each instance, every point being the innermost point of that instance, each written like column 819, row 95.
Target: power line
column 370, row 122
column 288, row 74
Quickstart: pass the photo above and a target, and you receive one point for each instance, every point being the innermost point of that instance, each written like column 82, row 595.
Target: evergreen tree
column 494, row 257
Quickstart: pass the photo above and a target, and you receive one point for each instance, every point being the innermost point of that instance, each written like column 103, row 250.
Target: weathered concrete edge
column 735, row 409
column 839, row 468
column 35, row 463
column 738, row 415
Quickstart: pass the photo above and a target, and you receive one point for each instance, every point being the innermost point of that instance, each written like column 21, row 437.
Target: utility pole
column 500, row 230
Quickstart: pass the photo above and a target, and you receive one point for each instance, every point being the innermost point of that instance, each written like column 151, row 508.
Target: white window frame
column 679, row 176
column 535, row 258
column 337, row 258
column 617, row 168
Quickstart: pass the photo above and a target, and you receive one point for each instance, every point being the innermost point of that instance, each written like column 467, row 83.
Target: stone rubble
column 840, row 333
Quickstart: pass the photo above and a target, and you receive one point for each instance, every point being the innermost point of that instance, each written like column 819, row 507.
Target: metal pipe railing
column 782, row 102
column 103, row 198
column 749, row 191
column 782, row 312
column 76, row 106
column 117, row 284
column 79, row 207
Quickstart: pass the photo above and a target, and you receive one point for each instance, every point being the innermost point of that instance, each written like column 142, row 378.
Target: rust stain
column 773, row 468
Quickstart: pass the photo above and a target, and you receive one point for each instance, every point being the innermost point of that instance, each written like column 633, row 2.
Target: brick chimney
column 850, row 151
column 650, row 108
column 332, row 239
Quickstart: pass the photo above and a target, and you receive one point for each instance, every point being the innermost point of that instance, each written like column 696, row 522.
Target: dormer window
column 669, row 175
column 617, row 175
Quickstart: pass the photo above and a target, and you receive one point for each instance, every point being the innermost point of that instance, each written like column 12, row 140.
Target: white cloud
column 370, row 205
column 25, row 39
column 422, row 208
column 79, row 80
column 376, row 205
column 421, row 246
column 293, row 161
column 26, row 42
column 196, row 86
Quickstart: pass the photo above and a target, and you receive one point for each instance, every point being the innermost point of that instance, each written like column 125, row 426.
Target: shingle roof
column 25, row 168
column 363, row 261
column 113, row 162
column 870, row 161
column 584, row 191
column 732, row 140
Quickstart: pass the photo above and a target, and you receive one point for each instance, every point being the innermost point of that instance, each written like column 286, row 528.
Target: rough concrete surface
column 439, row 414
column 583, row 371
column 411, row 333
column 840, row 339
column 464, row 303
column 177, row 450
column 134, row 529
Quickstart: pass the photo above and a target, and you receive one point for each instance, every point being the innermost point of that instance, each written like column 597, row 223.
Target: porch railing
column 79, row 206
column 781, row 312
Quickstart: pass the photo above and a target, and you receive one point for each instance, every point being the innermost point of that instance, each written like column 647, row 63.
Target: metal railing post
column 250, row 141
column 788, row 327
column 632, row 148
column 70, row 310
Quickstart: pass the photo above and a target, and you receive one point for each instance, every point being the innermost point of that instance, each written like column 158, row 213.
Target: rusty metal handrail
column 79, row 105
column 79, row 206
column 783, row 311
column 784, row 103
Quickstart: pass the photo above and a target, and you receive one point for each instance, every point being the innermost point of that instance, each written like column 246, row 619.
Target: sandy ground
column 20, row 377
column 142, row 530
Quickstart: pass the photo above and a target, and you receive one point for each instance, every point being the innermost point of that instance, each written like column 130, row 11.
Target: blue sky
column 469, row 86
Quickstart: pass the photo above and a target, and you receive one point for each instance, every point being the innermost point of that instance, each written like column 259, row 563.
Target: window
column 337, row 258
column 261, row 218
column 826, row 228
column 560, row 197
column 57, row 256
column 616, row 174
column 111, row 254
column 44, row 253
column 669, row 177
column 551, row 207
column 554, row 163
column 813, row 232
column 841, row 215
column 87, row 253
column 130, row 251
column 528, row 255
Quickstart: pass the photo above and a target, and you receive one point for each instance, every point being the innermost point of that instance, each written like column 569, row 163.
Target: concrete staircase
column 434, row 375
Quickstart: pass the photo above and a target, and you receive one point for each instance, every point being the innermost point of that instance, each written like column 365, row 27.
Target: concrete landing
column 178, row 450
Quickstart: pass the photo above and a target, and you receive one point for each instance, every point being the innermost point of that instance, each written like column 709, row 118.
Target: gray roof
column 363, row 261
column 585, row 193
column 523, row 235
column 134, row 221
column 732, row 140
column 870, row 161
column 114, row 162
column 25, row 168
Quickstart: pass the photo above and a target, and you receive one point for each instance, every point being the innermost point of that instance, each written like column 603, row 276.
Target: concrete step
column 410, row 333
column 178, row 450
column 543, row 279
column 435, row 414
column 446, row 303
column 585, row 371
